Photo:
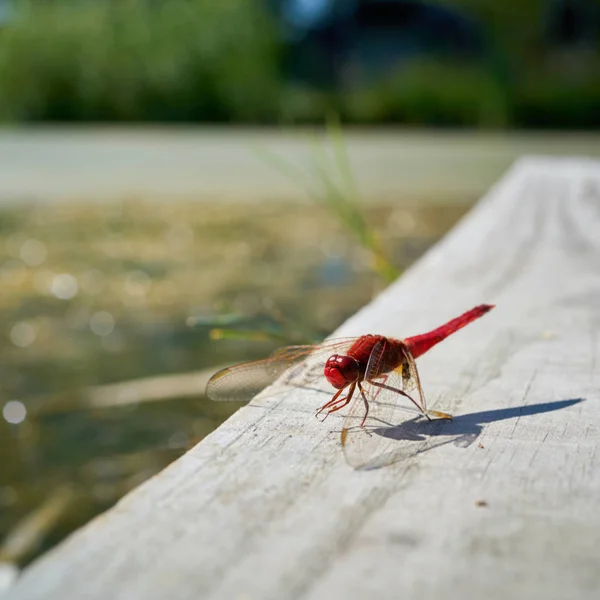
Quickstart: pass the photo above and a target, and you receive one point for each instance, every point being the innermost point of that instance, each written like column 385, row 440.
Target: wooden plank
column 500, row 503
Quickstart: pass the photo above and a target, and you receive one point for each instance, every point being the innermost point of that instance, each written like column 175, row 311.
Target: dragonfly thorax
column 341, row 371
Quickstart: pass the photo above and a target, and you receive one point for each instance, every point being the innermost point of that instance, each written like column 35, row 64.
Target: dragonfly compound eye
column 340, row 371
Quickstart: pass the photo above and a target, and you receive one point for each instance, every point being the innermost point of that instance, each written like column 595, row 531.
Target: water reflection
column 128, row 292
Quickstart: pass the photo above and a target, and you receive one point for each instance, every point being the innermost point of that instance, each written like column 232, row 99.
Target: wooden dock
column 503, row 502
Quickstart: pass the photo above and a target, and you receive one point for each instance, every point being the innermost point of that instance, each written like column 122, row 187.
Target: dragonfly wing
column 412, row 386
column 307, row 362
column 411, row 383
column 393, row 399
column 240, row 383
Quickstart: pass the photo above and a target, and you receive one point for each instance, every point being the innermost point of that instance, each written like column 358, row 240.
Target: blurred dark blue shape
column 300, row 15
column 333, row 42
column 6, row 12
column 333, row 271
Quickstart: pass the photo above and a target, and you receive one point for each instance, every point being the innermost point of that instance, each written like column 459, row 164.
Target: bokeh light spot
column 137, row 283
column 33, row 252
column 22, row 334
column 102, row 323
column 64, row 286
column 14, row 412
column 178, row 440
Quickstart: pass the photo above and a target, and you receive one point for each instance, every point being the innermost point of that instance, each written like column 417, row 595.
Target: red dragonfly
column 375, row 374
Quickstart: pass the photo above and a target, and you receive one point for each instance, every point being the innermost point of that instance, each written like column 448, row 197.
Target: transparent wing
column 385, row 401
column 300, row 364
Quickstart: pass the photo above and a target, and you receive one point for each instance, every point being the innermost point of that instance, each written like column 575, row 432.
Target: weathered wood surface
column 503, row 502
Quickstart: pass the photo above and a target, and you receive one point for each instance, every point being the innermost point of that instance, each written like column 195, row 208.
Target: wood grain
column 500, row 503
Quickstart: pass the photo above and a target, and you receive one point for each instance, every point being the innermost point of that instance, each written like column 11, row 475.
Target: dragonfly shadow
column 462, row 431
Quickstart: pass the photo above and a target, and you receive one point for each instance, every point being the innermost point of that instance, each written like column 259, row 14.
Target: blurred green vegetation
column 207, row 61
column 132, row 60
column 429, row 93
column 336, row 190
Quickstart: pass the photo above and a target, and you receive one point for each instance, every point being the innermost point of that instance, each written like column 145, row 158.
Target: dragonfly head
column 341, row 371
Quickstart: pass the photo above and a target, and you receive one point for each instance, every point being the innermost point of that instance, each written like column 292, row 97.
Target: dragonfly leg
column 364, row 397
column 331, row 402
column 402, row 393
column 336, row 402
column 343, row 401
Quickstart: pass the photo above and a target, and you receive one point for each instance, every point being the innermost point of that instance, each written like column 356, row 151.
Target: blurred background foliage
column 515, row 63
